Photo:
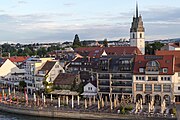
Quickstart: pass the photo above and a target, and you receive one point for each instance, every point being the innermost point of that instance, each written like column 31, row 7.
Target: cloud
column 44, row 27
column 22, row 2
column 69, row 4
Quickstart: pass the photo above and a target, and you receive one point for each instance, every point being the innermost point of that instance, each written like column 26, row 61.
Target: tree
column 105, row 43
column 41, row 52
column 22, row 85
column 151, row 48
column 76, row 42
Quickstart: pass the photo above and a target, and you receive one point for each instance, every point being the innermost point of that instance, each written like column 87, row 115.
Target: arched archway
column 157, row 99
column 167, row 99
column 148, row 98
column 138, row 97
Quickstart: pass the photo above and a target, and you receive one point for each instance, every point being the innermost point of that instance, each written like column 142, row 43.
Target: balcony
column 104, row 77
column 121, row 91
column 104, row 90
column 121, row 78
column 104, row 84
column 120, row 84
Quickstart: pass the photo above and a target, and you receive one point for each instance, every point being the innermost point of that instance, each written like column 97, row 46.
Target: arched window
column 133, row 35
column 140, row 35
column 153, row 66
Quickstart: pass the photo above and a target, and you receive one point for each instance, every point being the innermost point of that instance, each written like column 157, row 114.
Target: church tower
column 137, row 32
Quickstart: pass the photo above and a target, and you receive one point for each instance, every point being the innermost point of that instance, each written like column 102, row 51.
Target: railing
column 103, row 77
column 105, row 84
column 118, row 84
column 121, row 91
column 121, row 78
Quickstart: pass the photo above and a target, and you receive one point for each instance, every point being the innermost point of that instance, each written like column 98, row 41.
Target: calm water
column 9, row 116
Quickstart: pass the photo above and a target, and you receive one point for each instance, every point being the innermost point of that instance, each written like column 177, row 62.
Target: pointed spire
column 137, row 9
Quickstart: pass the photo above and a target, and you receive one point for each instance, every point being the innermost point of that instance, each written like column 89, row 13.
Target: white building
column 32, row 67
column 90, row 90
column 49, row 71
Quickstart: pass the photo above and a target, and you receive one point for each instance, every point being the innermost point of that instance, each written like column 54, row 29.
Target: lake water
column 9, row 116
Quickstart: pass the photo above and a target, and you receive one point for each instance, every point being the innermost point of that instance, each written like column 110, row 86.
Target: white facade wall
column 137, row 39
column 90, row 88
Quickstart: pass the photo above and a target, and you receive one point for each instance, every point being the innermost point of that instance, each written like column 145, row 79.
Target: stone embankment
column 55, row 113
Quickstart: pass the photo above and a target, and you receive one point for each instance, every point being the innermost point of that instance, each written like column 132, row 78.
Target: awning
column 88, row 94
column 64, row 92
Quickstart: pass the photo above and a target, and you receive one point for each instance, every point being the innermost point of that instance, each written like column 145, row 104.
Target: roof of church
column 137, row 24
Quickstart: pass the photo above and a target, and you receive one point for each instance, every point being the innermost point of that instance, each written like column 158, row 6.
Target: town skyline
column 58, row 21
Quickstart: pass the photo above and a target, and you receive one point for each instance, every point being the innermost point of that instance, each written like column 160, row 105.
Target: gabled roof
column 176, row 54
column 65, row 79
column 165, row 61
column 96, row 52
column 48, row 66
column 18, row 58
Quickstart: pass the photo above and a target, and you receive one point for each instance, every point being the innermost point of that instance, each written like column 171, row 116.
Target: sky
column 40, row 21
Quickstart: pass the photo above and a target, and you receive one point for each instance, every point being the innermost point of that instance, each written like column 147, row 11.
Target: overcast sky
column 32, row 21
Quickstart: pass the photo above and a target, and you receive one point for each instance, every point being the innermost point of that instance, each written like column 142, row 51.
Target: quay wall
column 72, row 114
column 61, row 114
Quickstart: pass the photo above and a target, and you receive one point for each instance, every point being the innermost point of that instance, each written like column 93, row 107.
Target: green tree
column 22, row 85
column 41, row 52
column 27, row 51
column 105, row 43
column 76, row 42
column 150, row 49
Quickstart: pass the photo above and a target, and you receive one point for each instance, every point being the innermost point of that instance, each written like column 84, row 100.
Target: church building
column 137, row 32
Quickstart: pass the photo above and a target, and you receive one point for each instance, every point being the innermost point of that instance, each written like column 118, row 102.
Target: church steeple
column 137, row 24
column 137, row 31
column 137, row 10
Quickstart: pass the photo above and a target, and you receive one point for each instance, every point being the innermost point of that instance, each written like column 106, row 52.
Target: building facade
column 114, row 76
column 153, row 78
column 32, row 67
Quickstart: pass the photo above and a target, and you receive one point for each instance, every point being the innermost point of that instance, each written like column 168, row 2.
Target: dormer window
column 165, row 70
column 141, row 70
column 152, row 67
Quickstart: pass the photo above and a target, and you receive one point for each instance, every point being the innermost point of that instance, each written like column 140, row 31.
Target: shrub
column 129, row 108
column 123, row 111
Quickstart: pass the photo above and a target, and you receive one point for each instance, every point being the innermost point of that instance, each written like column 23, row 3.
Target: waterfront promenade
column 72, row 107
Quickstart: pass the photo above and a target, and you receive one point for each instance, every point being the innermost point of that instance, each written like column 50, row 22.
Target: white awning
column 88, row 94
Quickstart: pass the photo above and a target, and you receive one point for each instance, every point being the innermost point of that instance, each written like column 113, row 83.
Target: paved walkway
column 178, row 111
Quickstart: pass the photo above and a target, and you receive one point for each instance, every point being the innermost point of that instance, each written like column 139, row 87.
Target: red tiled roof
column 96, row 52
column 176, row 54
column 165, row 61
column 65, row 79
column 18, row 58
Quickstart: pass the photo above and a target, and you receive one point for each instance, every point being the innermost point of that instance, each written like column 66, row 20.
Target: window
column 165, row 70
column 139, row 87
column 140, row 78
column 89, row 88
column 178, row 88
column 148, row 87
column 166, row 88
column 165, row 78
column 140, row 35
column 157, row 88
column 133, row 35
column 152, row 78
column 141, row 70
column 178, row 74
